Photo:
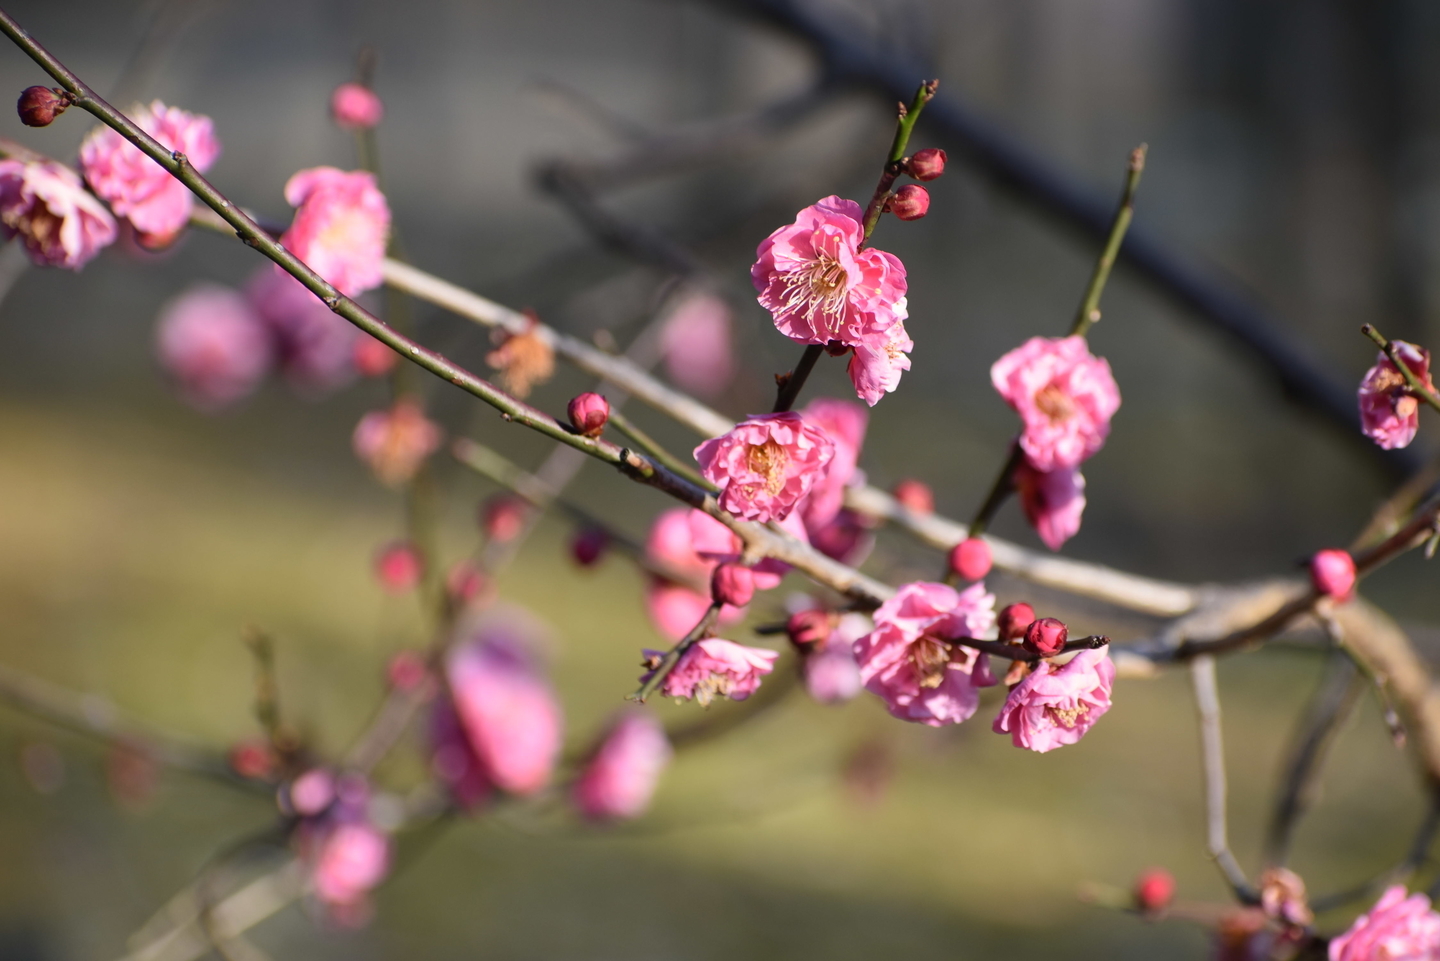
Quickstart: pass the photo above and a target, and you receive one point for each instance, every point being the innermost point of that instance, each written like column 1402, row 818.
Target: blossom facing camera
column 1053, row 502
column 39, row 106
column 1332, row 572
column 1064, row 395
column 341, row 227
column 589, row 412
column 927, row 164
column 766, row 464
column 620, row 779
column 356, row 107
column 970, row 559
column 914, row 495
column 213, row 345
column 717, row 668
column 47, row 206
column 1397, row 927
column 396, row 442
column 910, row 202
column 1046, row 636
column 1014, row 619
column 399, row 567
column 1389, row 411
column 732, row 584
column 1154, row 890
column 878, row 362
column 1055, row 706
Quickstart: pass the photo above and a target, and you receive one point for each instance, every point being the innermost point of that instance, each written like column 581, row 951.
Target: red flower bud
column 970, row 558
column 588, row 414
column 911, row 202
column 915, row 496
column 372, row 358
column 1014, row 619
column 465, row 582
column 38, row 106
column 927, row 164
column 589, row 545
column 502, row 517
column 1153, row 890
column 808, row 627
column 406, row 671
column 732, row 584
column 1333, row 573
column 399, row 566
column 252, row 759
column 1046, row 636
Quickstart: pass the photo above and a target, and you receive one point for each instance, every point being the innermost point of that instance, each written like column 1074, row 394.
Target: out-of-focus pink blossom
column 1053, row 502
column 696, row 344
column 355, row 107
column 848, row 537
column 832, row 674
column 252, row 759
column 1397, row 928
column 453, row 760
column 1154, row 890
column 844, row 422
column 503, row 517
column 766, row 464
column 970, row 559
column 399, row 567
column 465, row 583
column 1389, row 412
column 371, row 357
column 406, row 671
column 136, row 187
column 906, row 662
column 1064, row 395
column 810, row 628
column 315, row 347
column 1332, row 571
column 1054, row 706
column 312, row 792
column 589, row 545
column 820, row 286
column 341, row 227
column 878, row 362
column 915, row 496
column 59, row 222
column 396, row 442
column 351, row 859
column 213, row 344
column 674, row 608
column 717, row 668
column 715, row 543
column 620, row 779
column 732, row 584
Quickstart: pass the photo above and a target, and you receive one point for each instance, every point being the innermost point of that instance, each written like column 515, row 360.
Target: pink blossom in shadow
column 395, row 442
column 341, row 227
column 820, row 286
column 766, row 464
column 454, row 762
column 1389, row 412
column 351, row 858
column 59, row 222
column 717, row 668
column 695, row 342
column 213, row 345
column 356, row 107
column 137, row 188
column 848, row 538
column 844, row 422
column 715, row 543
column 1054, row 706
column 906, row 662
column 619, row 780
column 674, row 607
column 1397, row 928
column 1064, row 395
column 832, row 674
column 878, row 362
column 1052, row 501
column 315, row 347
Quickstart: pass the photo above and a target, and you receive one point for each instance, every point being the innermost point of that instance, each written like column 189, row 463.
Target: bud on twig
column 398, row 567
column 732, row 584
column 808, row 628
column 589, row 413
column 1333, row 573
column 970, row 559
column 589, row 545
column 927, row 164
column 911, row 202
column 1046, row 637
column 1154, row 890
column 1014, row 619
column 915, row 496
column 38, row 106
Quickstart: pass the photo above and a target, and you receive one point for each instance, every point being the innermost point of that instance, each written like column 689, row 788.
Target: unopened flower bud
column 1333, row 573
column 970, row 559
column 398, row 567
column 252, row 759
column 911, row 202
column 502, row 518
column 406, row 671
column 588, row 414
column 809, row 628
column 465, row 582
column 927, row 164
column 1153, row 891
column 1014, row 619
column 372, row 358
column 311, row 792
column 915, row 496
column 1046, row 636
column 589, row 545
column 355, row 107
column 38, row 106
column 732, row 584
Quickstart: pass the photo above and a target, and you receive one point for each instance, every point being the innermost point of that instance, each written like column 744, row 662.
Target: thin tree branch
column 1212, row 748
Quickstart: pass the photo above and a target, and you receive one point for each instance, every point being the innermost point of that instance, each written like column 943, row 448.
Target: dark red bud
column 1014, row 619
column 911, row 202
column 38, row 106
column 927, row 164
column 1333, row 573
column 732, row 584
column 915, row 496
column 808, row 628
column 1154, row 890
column 588, row 414
column 1046, row 637
column 589, row 545
column 970, row 559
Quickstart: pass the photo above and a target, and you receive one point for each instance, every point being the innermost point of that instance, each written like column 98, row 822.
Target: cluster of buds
column 912, row 201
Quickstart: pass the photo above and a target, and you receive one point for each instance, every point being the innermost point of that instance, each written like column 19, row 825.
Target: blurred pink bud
column 808, row 628
column 1283, row 898
column 341, row 227
column 1332, row 572
column 620, row 779
column 1014, row 619
column 372, row 358
column 213, row 345
column 465, row 582
column 399, row 567
column 311, row 792
column 696, row 344
column 589, row 545
column 1154, row 890
column 1054, row 706
column 395, row 442
column 1053, row 502
column 1389, row 411
column 717, row 668
column 131, row 773
column 406, row 671
column 915, row 496
column 766, row 464
column 927, row 164
column 832, row 674
column 352, row 858
column 1397, row 927
column 39, row 106
column 732, row 584
column 1046, row 636
column 589, row 412
column 1064, row 395
column 59, row 222
column 355, row 107
column 502, row 517
column 508, row 712
column 252, row 759
column 970, row 559
column 910, row 202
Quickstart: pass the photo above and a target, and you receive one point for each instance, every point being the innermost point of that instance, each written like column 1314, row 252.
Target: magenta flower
column 906, row 662
column 396, row 442
column 1397, row 928
column 350, row 860
column 717, row 668
column 136, row 187
column 831, row 673
column 316, row 348
column 1064, row 395
column 620, row 779
column 355, row 107
column 696, row 344
column 59, row 222
column 213, row 344
column 844, row 422
column 766, row 464
column 820, row 286
column 1054, row 706
column 1053, row 502
column 878, row 361
column 341, row 227
column 1389, row 412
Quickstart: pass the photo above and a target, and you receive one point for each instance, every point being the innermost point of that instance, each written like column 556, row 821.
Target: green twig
column 1416, row 386
column 658, row 453
column 894, row 163
column 1089, row 311
column 1001, row 489
column 672, row 657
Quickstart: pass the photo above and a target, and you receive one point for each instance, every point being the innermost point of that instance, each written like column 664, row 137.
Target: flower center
column 1054, row 403
column 819, row 288
column 715, row 685
column 931, row 656
column 1067, row 717
column 768, row 460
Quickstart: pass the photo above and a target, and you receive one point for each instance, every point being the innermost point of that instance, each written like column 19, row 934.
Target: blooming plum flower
column 620, row 779
column 1054, row 706
column 832, row 674
column 878, row 362
column 59, row 222
column 1389, row 411
column 696, row 344
column 213, row 344
column 1064, row 395
column 1397, row 928
column 396, row 442
column 717, row 668
column 356, row 107
column 844, row 422
column 341, row 227
column 1053, row 502
column 766, row 464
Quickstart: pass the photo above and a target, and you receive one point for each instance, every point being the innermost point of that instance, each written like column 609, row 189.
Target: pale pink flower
column 213, row 344
column 1053, row 502
column 1064, row 395
column 356, row 107
column 878, row 361
column 696, row 344
column 316, row 347
column 717, row 668
column 620, row 779
column 341, row 227
column 766, row 464
column 1054, row 706
column 136, row 187
column 906, row 662
column 1389, row 412
column 1397, row 928
column 350, row 860
column 820, row 286
column 675, row 608
column 454, row 762
column 844, row 422
column 59, row 222
column 832, row 674
column 396, row 442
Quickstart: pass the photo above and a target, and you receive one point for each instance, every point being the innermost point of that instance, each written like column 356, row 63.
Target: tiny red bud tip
column 911, row 202
column 1014, row 619
column 927, row 164
column 1154, row 890
column 1333, row 573
column 1046, row 637
column 732, row 584
column 398, row 567
column 39, row 106
column 970, row 559
column 465, row 582
column 589, row 413
column 915, row 496
column 589, row 545
column 808, row 627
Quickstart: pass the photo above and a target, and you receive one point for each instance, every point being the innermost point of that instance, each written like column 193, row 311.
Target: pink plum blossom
column 341, row 227
column 878, row 361
column 1052, row 501
column 1054, row 706
column 844, row 422
column 1389, row 411
column 351, row 858
column 819, row 285
column 696, row 344
column 59, row 222
column 139, row 189
column 1064, row 395
column 355, row 107
column 620, row 779
column 1397, row 928
column 675, row 607
column 831, row 672
column 315, row 347
column 906, row 662
column 396, row 442
column 213, row 344
column 454, row 762
column 766, row 464
column 717, row 668
column 848, row 537
column 715, row 543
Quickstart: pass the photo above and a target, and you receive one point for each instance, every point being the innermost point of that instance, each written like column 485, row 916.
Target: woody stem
column 791, row 383
column 672, row 657
column 1089, row 311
